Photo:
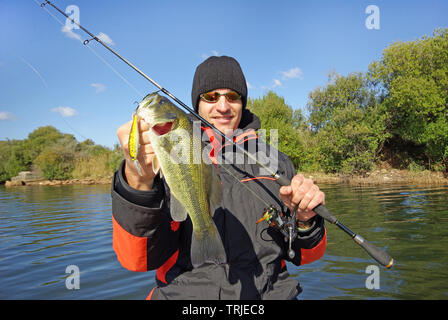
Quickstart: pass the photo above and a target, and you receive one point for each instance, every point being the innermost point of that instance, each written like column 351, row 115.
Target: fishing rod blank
column 379, row 255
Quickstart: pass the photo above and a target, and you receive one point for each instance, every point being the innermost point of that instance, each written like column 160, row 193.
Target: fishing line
column 97, row 55
column 75, row 131
column 35, row 71
column 92, row 50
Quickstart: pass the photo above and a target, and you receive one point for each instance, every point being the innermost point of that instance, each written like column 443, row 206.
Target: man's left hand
column 304, row 193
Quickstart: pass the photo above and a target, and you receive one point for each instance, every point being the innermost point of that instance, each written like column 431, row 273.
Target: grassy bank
column 382, row 176
column 376, row 177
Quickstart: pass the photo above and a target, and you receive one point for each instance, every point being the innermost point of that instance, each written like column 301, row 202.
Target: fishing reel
column 285, row 224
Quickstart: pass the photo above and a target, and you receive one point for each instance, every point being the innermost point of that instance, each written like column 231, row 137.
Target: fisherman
column 146, row 238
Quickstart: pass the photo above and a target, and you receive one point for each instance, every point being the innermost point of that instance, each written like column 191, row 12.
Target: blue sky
column 48, row 77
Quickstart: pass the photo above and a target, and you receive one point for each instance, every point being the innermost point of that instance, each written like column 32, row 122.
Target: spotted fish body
column 194, row 186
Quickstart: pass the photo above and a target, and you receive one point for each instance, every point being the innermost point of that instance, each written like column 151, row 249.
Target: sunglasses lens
column 232, row 96
column 210, row 96
column 213, row 96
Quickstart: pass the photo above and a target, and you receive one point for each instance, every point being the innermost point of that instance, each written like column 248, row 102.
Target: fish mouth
column 162, row 128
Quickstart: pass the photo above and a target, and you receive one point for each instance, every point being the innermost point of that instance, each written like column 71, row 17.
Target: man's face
column 222, row 114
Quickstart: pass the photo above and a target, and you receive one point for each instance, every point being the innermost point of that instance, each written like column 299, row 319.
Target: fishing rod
column 376, row 253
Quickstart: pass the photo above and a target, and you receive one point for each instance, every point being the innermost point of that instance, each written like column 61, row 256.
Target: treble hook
column 44, row 3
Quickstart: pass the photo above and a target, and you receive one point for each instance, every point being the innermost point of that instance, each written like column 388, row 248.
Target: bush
column 12, row 159
column 56, row 163
column 349, row 123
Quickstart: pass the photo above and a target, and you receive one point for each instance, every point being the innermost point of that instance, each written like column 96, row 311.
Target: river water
column 45, row 229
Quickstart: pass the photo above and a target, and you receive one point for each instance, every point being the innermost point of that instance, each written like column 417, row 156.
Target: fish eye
column 162, row 100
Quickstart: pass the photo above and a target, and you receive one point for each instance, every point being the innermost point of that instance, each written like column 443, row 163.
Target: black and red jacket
column 146, row 238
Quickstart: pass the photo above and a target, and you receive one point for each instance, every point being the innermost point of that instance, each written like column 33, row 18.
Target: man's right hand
column 144, row 157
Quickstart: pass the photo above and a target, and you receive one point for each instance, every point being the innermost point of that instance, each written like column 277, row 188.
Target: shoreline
column 381, row 177
column 84, row 181
column 375, row 177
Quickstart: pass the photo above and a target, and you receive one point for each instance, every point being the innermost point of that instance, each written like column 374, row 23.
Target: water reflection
column 45, row 229
column 410, row 223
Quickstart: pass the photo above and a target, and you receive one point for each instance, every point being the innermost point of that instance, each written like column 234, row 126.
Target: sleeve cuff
column 311, row 237
column 150, row 199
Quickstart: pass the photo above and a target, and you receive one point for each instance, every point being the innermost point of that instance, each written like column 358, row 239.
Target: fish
column 194, row 185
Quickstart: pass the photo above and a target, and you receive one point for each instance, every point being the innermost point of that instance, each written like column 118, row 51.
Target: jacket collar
column 245, row 131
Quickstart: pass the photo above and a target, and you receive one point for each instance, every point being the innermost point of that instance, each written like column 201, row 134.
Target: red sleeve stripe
column 131, row 250
column 313, row 254
column 161, row 272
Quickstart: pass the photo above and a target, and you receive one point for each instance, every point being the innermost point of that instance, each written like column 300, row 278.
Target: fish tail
column 207, row 249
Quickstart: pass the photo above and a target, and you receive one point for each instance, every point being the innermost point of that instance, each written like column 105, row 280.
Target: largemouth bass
column 195, row 187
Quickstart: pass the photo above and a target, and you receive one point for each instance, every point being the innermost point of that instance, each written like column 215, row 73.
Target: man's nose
column 222, row 104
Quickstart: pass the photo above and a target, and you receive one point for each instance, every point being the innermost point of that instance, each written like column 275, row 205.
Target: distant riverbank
column 382, row 176
column 85, row 181
column 376, row 177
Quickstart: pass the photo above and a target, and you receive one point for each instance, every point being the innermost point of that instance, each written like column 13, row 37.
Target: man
column 146, row 238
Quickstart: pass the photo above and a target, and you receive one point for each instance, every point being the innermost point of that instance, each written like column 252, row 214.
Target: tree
column 276, row 115
column 413, row 77
column 38, row 140
column 11, row 159
column 349, row 123
column 57, row 160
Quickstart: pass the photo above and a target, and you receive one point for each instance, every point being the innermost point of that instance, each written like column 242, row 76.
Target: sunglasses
column 213, row 96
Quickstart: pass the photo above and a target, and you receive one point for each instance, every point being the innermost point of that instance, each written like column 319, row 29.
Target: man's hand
column 144, row 157
column 304, row 193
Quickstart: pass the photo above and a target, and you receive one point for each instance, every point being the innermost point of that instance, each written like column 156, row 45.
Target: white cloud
column 105, row 38
column 69, row 33
column 249, row 85
column 292, row 73
column 277, row 83
column 99, row 87
column 5, row 115
column 65, row 111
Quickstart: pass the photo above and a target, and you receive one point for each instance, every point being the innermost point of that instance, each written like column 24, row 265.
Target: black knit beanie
column 218, row 73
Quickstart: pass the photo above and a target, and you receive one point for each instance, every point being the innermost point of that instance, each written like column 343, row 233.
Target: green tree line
column 59, row 156
column 396, row 111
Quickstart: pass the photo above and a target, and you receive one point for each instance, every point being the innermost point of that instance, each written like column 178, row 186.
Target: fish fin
column 156, row 166
column 207, row 249
column 215, row 191
column 138, row 167
column 178, row 212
